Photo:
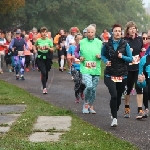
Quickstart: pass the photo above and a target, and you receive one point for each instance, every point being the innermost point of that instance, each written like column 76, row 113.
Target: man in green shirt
column 45, row 49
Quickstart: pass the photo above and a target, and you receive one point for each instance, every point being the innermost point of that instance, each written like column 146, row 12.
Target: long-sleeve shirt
column 77, row 50
column 147, row 51
column 127, row 58
column 141, row 70
column 11, row 45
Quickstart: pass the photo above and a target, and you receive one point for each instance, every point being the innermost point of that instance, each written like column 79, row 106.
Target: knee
column 89, row 87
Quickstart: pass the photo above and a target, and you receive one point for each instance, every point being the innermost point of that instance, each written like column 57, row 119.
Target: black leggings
column 44, row 71
column 131, row 80
column 27, row 60
column 146, row 94
column 145, row 97
column 115, row 89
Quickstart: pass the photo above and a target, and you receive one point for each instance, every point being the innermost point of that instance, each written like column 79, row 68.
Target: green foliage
column 66, row 13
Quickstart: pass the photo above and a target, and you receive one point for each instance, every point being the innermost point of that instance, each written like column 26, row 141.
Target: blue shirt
column 148, row 51
column 127, row 58
column 141, row 67
column 71, row 51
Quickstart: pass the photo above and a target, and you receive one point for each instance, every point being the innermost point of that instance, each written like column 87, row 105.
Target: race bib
column 77, row 61
column 116, row 79
column 21, row 53
column 90, row 64
column 136, row 60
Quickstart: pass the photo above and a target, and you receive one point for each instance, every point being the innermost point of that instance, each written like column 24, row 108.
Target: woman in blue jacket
column 144, row 76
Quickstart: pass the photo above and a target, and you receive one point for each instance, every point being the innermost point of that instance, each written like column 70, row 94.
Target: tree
column 7, row 6
column 56, row 14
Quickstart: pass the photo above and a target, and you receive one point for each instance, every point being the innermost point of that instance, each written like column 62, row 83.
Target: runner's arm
column 141, row 65
column 26, row 45
column 128, row 58
column 11, row 45
column 103, row 54
column 76, row 52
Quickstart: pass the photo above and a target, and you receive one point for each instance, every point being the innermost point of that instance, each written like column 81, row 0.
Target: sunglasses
column 145, row 38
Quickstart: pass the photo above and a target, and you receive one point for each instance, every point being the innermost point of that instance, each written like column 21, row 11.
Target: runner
column 85, row 33
column 17, row 49
column 27, row 53
column 75, row 70
column 90, row 66
column 144, row 71
column 115, row 54
column 2, row 49
column 62, row 53
column 70, row 41
column 105, row 36
column 136, row 45
column 45, row 49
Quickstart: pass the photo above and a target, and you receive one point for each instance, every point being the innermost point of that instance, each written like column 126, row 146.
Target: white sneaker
column 114, row 123
column 45, row 91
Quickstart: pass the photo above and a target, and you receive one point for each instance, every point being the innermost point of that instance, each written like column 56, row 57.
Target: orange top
column 56, row 39
column 105, row 36
column 27, row 52
column 38, row 35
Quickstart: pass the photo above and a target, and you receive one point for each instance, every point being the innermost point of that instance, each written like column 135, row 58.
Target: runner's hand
column 131, row 49
column 98, row 56
column 81, row 58
column 119, row 55
column 143, row 49
column 108, row 63
column 141, row 77
column 13, row 49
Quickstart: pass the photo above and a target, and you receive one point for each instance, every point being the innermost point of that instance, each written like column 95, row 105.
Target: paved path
column 60, row 93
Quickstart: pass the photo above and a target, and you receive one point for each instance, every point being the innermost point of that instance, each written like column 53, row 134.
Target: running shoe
column 127, row 113
column 10, row 70
column 141, row 115
column 44, row 91
column 91, row 110
column 77, row 101
column 17, row 77
column 27, row 70
column 1, row 71
column 146, row 113
column 22, row 78
column 85, row 108
column 72, row 78
column 114, row 122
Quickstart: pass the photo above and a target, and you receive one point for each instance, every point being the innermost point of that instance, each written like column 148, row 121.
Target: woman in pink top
column 27, row 53
column 145, row 44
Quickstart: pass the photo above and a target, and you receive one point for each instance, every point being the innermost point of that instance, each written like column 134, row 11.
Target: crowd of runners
column 125, row 54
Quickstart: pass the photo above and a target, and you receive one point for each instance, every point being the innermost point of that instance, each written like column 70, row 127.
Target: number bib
column 20, row 53
column 90, row 64
column 116, row 79
column 136, row 60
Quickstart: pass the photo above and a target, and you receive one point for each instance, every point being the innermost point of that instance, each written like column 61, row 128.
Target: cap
column 85, row 30
column 74, row 29
column 18, row 32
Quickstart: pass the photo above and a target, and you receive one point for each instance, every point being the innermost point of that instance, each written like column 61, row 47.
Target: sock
column 139, row 108
column 62, row 63
column 127, row 106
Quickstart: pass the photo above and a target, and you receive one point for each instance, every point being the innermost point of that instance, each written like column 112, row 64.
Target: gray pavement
column 61, row 93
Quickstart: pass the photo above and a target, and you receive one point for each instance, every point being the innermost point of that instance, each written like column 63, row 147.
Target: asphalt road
column 61, row 94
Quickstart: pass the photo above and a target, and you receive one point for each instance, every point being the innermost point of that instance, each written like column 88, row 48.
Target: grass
column 82, row 136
